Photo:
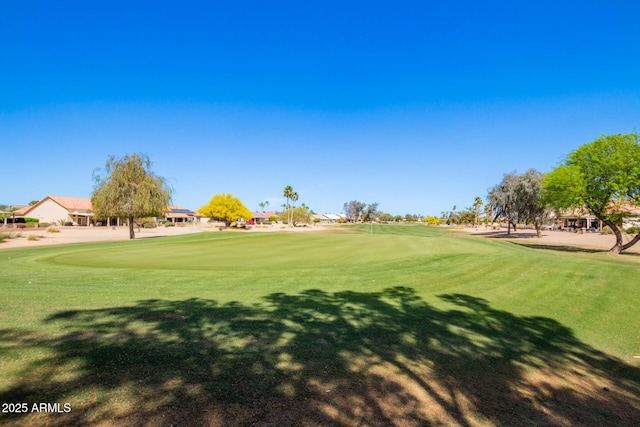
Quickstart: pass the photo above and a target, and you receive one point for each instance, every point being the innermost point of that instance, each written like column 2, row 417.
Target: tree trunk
column 633, row 241
column 132, row 234
column 619, row 246
column 508, row 227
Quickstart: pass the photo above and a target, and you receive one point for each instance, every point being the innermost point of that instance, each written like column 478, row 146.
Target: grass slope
column 411, row 325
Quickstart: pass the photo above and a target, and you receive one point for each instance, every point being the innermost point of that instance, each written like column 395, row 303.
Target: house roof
column 263, row 215
column 179, row 212
column 334, row 217
column 22, row 211
column 69, row 203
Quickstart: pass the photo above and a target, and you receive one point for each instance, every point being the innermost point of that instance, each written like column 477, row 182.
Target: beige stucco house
column 54, row 209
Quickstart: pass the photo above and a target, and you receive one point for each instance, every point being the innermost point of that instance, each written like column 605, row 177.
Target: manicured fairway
column 410, row 326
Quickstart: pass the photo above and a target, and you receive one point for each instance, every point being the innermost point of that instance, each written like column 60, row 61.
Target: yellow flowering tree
column 226, row 208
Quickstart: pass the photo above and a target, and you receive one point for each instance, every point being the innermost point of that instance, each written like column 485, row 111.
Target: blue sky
column 418, row 106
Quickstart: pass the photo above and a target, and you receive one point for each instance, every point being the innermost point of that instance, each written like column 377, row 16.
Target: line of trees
column 601, row 178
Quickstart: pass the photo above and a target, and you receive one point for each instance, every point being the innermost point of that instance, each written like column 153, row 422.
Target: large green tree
column 127, row 188
column 602, row 177
column 226, row 208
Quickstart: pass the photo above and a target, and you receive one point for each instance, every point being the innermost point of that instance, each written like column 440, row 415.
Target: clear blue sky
column 416, row 105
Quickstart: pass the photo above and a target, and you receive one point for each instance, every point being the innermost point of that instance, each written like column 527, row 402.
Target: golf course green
column 390, row 325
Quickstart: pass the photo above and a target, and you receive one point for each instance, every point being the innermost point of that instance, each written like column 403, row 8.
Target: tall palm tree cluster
column 292, row 196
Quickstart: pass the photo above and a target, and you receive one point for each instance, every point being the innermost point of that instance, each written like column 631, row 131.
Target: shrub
column 53, row 229
column 31, row 220
column 606, row 230
column 169, row 224
column 4, row 236
column 632, row 230
column 148, row 223
column 32, row 237
column 273, row 218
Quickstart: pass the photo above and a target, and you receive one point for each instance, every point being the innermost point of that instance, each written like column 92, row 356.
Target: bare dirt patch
column 555, row 239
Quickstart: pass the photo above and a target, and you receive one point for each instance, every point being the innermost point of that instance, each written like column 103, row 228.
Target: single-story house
column 583, row 219
column 178, row 214
column 78, row 211
column 56, row 209
column 328, row 218
column 579, row 219
column 262, row 217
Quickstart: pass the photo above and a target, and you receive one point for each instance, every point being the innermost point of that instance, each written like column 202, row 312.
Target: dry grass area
column 66, row 235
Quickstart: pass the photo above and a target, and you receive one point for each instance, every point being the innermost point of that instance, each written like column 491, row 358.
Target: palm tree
column 288, row 192
column 476, row 208
column 261, row 204
column 294, row 198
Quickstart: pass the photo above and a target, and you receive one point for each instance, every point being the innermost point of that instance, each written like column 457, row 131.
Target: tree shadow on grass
column 320, row 358
column 573, row 249
column 562, row 248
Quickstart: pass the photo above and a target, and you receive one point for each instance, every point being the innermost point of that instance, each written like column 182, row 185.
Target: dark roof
column 181, row 210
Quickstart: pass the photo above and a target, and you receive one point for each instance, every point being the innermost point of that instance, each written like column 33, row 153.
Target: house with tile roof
column 262, row 217
column 54, row 209
column 78, row 211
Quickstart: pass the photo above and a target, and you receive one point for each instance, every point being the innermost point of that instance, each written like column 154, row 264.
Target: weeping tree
column 502, row 198
column 518, row 198
column 127, row 188
column 532, row 206
column 602, row 177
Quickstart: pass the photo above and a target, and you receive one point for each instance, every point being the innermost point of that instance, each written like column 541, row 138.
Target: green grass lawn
column 412, row 325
